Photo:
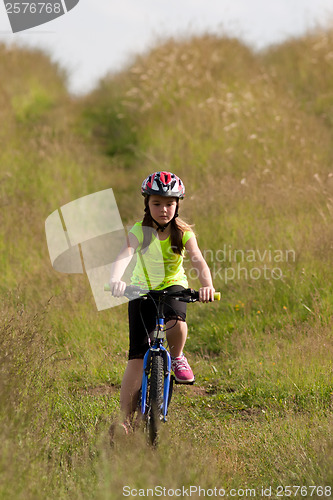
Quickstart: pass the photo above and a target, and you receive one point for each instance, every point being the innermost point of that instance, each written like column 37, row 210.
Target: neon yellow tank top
column 158, row 267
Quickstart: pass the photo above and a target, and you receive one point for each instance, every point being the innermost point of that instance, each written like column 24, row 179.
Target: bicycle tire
column 155, row 398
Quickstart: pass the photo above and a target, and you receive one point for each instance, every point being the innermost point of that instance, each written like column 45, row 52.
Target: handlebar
column 187, row 295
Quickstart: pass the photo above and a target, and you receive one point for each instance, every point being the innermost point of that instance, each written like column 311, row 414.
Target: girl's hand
column 117, row 287
column 206, row 294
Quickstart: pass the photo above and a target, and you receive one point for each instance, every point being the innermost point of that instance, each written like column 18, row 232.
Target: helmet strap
column 159, row 227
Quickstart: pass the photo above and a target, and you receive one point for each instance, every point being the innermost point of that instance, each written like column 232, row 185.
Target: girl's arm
column 206, row 292
column 120, row 264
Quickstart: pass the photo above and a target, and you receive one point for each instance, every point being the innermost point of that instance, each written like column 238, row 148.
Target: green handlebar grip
column 107, row 287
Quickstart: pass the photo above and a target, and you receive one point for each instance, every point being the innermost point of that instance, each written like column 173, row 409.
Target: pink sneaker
column 182, row 370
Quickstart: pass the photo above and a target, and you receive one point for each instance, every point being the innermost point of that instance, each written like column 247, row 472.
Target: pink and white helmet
column 163, row 184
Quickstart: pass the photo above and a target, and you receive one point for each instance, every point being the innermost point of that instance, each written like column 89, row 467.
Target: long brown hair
column 177, row 226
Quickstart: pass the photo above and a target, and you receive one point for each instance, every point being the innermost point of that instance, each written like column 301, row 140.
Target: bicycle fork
column 157, row 349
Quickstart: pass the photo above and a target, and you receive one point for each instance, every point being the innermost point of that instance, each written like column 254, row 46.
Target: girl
column 162, row 192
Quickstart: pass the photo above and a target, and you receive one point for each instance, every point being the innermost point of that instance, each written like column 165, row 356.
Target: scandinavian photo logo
column 23, row 15
column 86, row 235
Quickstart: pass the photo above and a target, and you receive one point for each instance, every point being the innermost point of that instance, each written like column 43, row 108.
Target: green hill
column 251, row 136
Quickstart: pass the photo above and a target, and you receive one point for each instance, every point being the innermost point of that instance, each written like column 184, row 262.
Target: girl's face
column 162, row 209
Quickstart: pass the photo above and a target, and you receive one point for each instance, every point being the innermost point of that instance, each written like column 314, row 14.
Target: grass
column 250, row 134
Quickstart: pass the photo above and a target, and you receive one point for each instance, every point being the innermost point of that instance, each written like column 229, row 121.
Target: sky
column 101, row 36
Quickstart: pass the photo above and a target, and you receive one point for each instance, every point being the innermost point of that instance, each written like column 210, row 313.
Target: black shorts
column 142, row 319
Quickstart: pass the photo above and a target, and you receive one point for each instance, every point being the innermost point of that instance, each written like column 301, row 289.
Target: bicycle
column 157, row 383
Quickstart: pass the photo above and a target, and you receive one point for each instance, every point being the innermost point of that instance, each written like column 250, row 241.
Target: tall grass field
column 251, row 135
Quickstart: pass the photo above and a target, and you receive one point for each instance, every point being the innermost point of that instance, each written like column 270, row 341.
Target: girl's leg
column 130, row 387
column 176, row 336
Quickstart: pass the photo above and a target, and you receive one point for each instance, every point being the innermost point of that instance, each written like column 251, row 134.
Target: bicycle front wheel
column 155, row 398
